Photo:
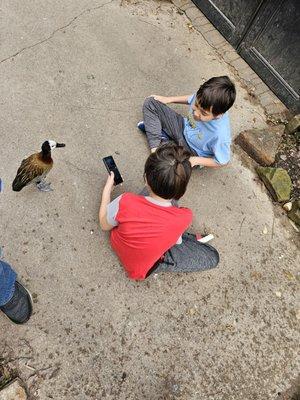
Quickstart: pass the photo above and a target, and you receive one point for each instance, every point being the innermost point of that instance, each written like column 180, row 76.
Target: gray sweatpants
column 159, row 117
column 189, row 256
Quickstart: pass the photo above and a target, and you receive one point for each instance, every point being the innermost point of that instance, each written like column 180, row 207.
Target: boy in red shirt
column 147, row 232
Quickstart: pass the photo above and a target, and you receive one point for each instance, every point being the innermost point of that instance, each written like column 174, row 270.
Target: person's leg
column 189, row 256
column 141, row 126
column 159, row 117
column 19, row 308
column 7, row 282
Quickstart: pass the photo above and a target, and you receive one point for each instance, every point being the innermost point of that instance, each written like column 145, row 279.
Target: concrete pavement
column 77, row 72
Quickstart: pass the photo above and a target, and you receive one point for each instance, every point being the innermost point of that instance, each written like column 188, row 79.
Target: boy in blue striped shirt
column 205, row 132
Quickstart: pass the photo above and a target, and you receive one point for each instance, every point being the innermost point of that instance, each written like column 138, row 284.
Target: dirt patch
column 7, row 373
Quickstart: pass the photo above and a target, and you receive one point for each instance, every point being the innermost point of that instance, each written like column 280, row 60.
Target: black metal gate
column 266, row 33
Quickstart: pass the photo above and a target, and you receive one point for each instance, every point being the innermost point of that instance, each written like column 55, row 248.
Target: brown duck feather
column 31, row 167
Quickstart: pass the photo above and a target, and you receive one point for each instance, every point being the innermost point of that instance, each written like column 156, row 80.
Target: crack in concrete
column 87, row 10
column 149, row 23
column 78, row 168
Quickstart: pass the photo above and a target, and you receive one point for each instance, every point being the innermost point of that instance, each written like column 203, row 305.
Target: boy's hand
column 105, row 200
column 109, row 186
column 204, row 161
column 162, row 99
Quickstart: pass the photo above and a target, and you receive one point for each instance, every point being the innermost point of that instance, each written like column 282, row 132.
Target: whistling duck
column 35, row 168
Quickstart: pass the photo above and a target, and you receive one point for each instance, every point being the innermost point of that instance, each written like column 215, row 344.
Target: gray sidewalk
column 77, row 72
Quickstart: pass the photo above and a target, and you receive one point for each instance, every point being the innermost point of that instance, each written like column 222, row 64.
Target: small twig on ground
column 241, row 225
column 27, row 344
column 149, row 23
column 29, row 367
column 37, row 371
column 17, row 359
column 272, row 235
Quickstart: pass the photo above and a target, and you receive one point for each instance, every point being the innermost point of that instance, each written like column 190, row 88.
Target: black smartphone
column 110, row 164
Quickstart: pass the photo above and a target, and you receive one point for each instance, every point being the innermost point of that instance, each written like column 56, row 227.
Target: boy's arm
column 221, row 151
column 105, row 226
column 172, row 99
column 205, row 161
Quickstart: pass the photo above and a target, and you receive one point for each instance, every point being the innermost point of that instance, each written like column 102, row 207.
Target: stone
column 277, row 181
column 294, row 213
column 261, row 144
column 293, row 125
column 13, row 391
column 287, row 206
column 193, row 13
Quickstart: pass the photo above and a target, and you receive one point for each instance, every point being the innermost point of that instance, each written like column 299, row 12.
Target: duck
column 34, row 168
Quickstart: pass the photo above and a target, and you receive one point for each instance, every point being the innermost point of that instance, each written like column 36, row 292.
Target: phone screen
column 111, row 166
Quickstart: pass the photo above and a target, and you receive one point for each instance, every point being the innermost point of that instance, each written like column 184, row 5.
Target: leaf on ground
column 289, row 275
column 230, row 327
column 190, row 26
column 192, row 311
column 256, row 275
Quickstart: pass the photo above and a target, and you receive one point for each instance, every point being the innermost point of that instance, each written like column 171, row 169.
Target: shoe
column 204, row 239
column 141, row 126
column 164, row 136
column 19, row 307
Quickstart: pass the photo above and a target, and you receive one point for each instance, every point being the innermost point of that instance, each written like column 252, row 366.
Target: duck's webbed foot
column 43, row 186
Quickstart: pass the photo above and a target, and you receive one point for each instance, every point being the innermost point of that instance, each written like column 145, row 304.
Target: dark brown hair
column 168, row 171
column 218, row 92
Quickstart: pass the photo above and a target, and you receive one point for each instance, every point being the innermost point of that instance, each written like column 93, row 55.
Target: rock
column 277, row 181
column 261, row 144
column 294, row 213
column 293, row 125
column 13, row 391
column 297, row 136
column 287, row 206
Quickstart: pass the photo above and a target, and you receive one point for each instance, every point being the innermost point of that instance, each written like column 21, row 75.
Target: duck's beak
column 60, row 145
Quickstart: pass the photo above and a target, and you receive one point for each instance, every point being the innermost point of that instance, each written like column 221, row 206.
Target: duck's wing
column 30, row 168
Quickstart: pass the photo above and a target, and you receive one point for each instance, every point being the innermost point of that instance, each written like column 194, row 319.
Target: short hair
column 168, row 171
column 218, row 92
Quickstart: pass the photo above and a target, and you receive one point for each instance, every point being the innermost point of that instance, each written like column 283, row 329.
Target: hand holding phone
column 110, row 182
column 111, row 166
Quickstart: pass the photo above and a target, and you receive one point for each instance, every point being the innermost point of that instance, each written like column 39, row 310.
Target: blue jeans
column 7, row 282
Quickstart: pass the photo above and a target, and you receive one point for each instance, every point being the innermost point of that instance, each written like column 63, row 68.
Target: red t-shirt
column 145, row 232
